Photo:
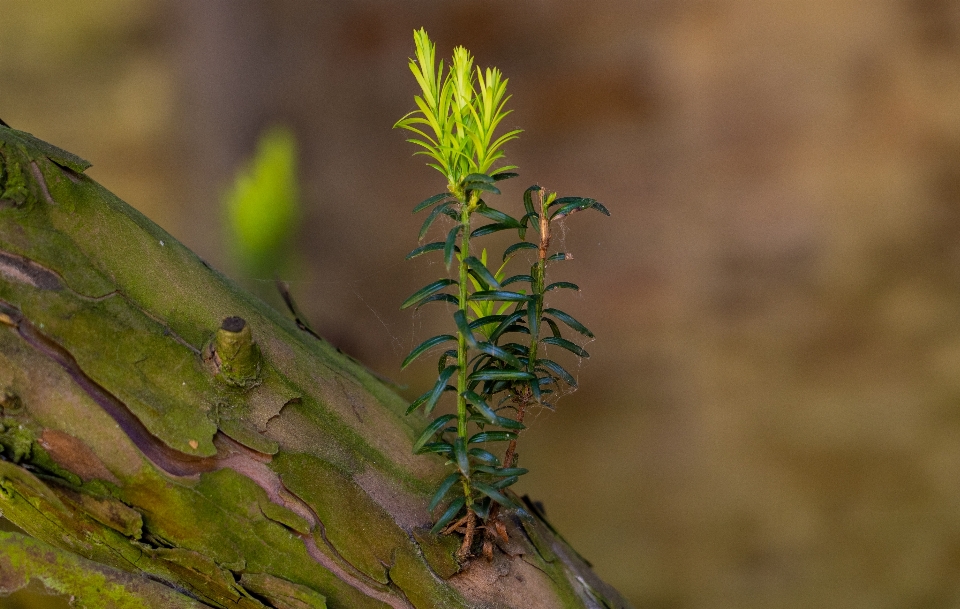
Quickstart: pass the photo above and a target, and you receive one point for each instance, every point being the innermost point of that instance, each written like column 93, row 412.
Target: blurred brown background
column 771, row 416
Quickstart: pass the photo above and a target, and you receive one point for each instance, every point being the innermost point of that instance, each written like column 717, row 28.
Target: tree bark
column 170, row 441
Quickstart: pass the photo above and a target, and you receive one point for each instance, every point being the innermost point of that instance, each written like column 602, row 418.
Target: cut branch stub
column 235, row 355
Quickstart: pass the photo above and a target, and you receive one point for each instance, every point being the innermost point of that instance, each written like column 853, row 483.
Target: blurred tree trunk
column 169, row 440
column 230, row 74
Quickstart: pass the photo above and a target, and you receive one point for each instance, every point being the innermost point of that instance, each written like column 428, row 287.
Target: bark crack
column 333, row 567
column 338, row 565
column 168, row 459
column 23, row 270
column 349, row 397
column 41, row 182
column 392, row 584
column 253, row 466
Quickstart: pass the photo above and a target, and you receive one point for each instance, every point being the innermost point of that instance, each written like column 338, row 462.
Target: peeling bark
column 276, row 475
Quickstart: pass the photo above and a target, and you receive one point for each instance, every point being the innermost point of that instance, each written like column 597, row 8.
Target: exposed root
column 457, row 526
column 501, row 530
column 493, row 531
column 464, row 552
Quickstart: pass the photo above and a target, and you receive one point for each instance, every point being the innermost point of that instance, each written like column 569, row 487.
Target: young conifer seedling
column 498, row 369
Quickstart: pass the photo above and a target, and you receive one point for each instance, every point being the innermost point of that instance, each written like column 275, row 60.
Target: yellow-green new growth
column 486, row 308
column 458, row 114
column 263, row 203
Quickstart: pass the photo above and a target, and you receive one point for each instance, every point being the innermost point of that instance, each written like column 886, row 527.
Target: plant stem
column 466, row 208
column 524, row 398
column 521, row 401
column 538, row 272
column 462, row 347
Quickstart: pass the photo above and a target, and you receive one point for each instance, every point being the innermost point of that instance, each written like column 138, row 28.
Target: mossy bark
column 144, row 464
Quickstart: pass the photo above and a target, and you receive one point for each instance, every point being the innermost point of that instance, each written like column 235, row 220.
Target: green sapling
column 494, row 379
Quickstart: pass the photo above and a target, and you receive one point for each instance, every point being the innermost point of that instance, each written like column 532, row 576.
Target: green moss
column 10, row 402
column 30, row 504
column 18, row 150
column 214, row 583
column 243, row 413
column 439, row 551
column 221, row 517
column 334, row 441
column 16, row 482
column 29, row 232
column 159, row 379
column 41, row 459
column 538, row 536
column 420, row 585
column 101, row 488
column 111, row 513
column 171, row 391
column 246, row 435
column 33, row 506
column 281, row 593
column 285, row 517
column 91, row 585
column 34, row 148
column 354, row 524
column 59, row 575
column 361, row 531
column 19, row 444
column 13, row 185
column 16, row 440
